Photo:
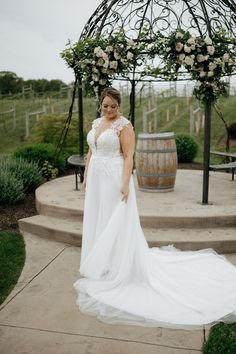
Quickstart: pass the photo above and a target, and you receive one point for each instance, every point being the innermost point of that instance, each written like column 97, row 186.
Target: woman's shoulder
column 96, row 122
column 121, row 123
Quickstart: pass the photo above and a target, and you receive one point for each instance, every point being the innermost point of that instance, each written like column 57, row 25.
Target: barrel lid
column 164, row 135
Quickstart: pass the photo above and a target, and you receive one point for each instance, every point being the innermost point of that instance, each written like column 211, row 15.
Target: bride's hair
column 111, row 92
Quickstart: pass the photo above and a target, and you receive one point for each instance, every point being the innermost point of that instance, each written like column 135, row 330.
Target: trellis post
column 206, row 161
column 81, row 116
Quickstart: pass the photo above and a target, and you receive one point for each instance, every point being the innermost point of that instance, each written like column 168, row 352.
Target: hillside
column 18, row 117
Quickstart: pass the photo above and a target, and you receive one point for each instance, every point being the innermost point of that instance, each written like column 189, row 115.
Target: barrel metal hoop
column 156, row 188
column 142, row 174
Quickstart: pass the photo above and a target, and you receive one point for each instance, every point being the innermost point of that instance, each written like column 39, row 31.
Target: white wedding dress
column 126, row 282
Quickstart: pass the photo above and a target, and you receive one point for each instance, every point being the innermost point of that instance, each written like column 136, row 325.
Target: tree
column 10, row 82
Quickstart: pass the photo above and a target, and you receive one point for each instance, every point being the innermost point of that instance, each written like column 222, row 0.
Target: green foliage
column 186, row 148
column 12, row 259
column 27, row 172
column 222, row 339
column 40, row 153
column 43, row 85
column 10, row 82
column 48, row 171
column 48, row 130
column 12, row 189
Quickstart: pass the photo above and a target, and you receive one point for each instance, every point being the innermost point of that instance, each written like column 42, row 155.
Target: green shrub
column 187, row 148
column 40, row 153
column 27, row 172
column 12, row 189
column 221, row 340
column 49, row 128
column 49, row 171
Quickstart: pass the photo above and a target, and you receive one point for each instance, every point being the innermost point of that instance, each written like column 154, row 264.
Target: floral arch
column 157, row 40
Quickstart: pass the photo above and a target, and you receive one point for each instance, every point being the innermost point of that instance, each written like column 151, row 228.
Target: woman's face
column 110, row 107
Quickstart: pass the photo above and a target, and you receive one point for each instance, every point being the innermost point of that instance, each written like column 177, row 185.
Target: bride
column 123, row 281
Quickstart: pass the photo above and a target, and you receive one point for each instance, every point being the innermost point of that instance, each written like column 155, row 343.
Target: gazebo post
column 81, row 117
column 132, row 102
column 206, row 161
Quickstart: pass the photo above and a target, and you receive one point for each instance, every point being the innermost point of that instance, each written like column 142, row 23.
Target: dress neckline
column 103, row 131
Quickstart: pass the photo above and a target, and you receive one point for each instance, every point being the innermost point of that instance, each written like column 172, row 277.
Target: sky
column 34, row 33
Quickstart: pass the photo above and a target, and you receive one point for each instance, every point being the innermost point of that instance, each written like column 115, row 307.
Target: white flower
column 100, row 62
column 225, row 57
column 123, row 61
column 187, row 49
column 102, row 82
column 206, row 57
column 95, row 70
column 202, row 74
column 181, row 56
column 109, row 49
column 117, row 55
column 113, row 65
column 218, row 61
column 95, row 77
column 212, row 66
column 98, row 51
column 130, row 56
column 130, row 42
column 188, row 60
column 208, row 40
column 210, row 49
column 191, row 40
column 193, row 46
column 178, row 46
column 106, row 64
column 104, row 56
column 104, row 70
column 200, row 58
column 168, row 49
column 210, row 73
column 179, row 35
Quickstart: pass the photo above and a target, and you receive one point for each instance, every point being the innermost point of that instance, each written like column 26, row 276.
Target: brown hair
column 112, row 93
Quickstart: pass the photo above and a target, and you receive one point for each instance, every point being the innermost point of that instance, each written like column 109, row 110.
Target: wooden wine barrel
column 156, row 161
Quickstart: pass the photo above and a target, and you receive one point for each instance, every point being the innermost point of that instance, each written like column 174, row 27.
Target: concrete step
column 178, row 209
column 222, row 240
column 57, row 229
column 51, row 208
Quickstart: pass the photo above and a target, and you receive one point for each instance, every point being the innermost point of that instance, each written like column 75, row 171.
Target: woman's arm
column 88, row 156
column 127, row 141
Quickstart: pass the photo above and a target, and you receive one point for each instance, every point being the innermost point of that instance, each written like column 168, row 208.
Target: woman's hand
column 125, row 191
column 84, row 184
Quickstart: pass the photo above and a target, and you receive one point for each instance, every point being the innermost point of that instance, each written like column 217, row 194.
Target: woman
column 123, row 280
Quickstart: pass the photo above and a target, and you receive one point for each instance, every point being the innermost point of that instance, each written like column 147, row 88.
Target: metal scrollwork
column 200, row 16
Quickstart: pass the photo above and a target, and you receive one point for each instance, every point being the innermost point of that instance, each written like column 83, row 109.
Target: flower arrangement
column 98, row 60
column 206, row 59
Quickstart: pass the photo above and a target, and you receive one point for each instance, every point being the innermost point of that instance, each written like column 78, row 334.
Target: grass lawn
column 12, row 259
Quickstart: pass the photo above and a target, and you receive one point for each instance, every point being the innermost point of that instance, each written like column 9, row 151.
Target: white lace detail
column 107, row 143
column 96, row 123
column 118, row 125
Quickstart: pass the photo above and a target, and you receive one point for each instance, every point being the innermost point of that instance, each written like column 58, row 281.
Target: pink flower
column 210, row 49
column 179, row 46
column 226, row 57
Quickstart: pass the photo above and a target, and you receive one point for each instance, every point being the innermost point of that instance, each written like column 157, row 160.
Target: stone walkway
column 40, row 315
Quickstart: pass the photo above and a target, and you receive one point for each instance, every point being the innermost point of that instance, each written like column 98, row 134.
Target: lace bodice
column 107, row 143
